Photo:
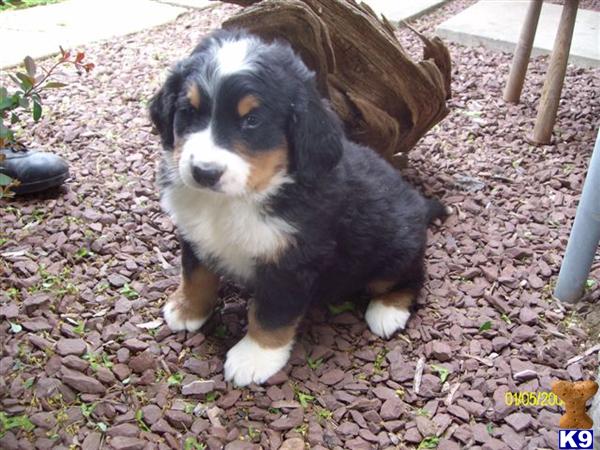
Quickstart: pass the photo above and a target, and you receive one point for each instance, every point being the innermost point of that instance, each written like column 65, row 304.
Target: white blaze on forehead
column 200, row 148
column 232, row 57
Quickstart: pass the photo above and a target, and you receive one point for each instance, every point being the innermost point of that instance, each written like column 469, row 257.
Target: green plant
column 27, row 99
column 129, row 292
column 7, row 5
column 429, row 442
column 175, row 379
column 442, row 372
column 314, row 364
column 191, row 443
column 8, row 423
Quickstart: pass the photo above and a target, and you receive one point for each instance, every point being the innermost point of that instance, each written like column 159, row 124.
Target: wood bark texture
column 385, row 99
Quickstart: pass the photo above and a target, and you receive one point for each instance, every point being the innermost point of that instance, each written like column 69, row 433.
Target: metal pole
column 542, row 131
column 512, row 93
column 585, row 235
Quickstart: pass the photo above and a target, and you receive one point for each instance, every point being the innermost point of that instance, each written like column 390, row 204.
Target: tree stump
column 386, row 100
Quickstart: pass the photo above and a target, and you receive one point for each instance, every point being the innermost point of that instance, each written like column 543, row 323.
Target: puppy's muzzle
column 207, row 174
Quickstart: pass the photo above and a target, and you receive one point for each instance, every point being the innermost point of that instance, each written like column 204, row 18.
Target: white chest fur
column 232, row 230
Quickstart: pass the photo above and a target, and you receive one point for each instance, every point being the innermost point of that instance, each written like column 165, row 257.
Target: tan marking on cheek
column 196, row 295
column 269, row 338
column 193, row 95
column 402, row 299
column 264, row 165
column 247, row 104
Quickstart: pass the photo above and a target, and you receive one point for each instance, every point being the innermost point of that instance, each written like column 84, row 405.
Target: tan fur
column 269, row 338
column 265, row 165
column 196, row 296
column 378, row 287
column 401, row 298
column 193, row 95
column 247, row 104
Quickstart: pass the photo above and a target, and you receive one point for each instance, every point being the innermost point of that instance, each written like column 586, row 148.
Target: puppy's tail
column 436, row 210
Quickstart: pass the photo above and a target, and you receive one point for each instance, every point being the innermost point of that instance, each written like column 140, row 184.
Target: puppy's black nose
column 207, row 174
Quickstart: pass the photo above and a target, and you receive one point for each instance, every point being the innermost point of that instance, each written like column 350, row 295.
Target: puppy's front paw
column 247, row 362
column 385, row 320
column 180, row 318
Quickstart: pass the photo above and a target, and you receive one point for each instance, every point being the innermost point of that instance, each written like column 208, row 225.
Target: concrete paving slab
column 398, row 10
column 497, row 25
column 39, row 31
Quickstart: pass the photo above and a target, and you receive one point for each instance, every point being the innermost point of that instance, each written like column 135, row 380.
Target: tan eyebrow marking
column 247, row 104
column 193, row 95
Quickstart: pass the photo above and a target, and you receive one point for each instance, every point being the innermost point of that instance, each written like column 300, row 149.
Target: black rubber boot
column 37, row 171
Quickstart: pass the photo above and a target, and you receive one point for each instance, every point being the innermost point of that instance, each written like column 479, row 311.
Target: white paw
column 247, row 362
column 385, row 320
column 177, row 321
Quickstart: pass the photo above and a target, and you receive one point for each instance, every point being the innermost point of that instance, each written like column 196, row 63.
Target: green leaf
column 5, row 180
column 304, row 398
column 341, row 307
column 54, row 85
column 485, row 326
column 442, row 372
column 26, row 81
column 139, row 418
column 30, row 66
column 5, row 103
column 191, row 443
column 8, row 423
column 429, row 442
column 87, row 410
column 175, row 379
column 23, row 102
column 37, row 111
column 102, row 426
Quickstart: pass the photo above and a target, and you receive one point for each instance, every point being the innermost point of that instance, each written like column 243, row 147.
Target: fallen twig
column 419, row 374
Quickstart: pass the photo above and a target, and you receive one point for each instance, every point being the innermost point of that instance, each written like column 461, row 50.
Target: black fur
column 357, row 220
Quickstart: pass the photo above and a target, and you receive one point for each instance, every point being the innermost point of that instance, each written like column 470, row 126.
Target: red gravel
column 86, row 360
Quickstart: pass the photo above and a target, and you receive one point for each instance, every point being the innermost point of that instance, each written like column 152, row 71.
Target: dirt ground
column 87, row 361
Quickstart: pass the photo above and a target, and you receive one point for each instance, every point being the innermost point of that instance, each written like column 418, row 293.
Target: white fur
column 177, row 323
column 235, row 230
column 385, row 320
column 247, row 362
column 200, row 148
column 232, row 57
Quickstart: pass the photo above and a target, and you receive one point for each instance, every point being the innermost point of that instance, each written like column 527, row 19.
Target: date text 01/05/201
column 529, row 398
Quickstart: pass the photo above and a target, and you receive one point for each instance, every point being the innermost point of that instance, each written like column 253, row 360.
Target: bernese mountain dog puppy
column 266, row 190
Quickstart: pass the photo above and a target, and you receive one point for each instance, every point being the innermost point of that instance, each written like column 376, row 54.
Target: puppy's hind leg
column 389, row 312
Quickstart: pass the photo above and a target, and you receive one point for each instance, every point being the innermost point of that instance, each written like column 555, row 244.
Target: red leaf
column 89, row 66
column 79, row 57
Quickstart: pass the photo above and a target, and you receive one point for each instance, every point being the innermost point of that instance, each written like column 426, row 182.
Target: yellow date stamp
column 529, row 398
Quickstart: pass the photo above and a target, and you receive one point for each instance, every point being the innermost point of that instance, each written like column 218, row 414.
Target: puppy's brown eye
column 250, row 121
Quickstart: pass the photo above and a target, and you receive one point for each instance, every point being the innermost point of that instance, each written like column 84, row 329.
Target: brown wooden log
column 386, row 100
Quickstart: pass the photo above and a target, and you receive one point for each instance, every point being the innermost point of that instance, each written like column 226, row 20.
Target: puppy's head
column 242, row 116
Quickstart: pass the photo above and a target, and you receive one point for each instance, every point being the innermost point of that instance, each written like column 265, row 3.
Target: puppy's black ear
column 162, row 109
column 315, row 136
